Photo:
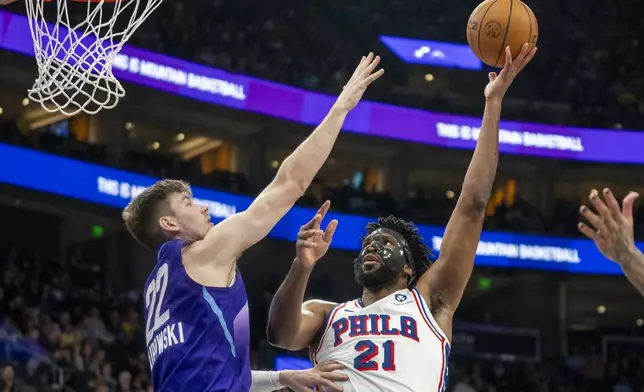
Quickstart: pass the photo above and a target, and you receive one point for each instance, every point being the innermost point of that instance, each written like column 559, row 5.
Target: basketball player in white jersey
column 396, row 337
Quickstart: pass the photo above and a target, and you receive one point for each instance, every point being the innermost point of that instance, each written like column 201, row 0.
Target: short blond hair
column 142, row 213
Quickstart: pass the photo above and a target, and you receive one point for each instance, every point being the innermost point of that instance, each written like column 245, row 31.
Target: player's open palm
column 612, row 227
column 362, row 77
column 313, row 242
column 500, row 83
column 322, row 376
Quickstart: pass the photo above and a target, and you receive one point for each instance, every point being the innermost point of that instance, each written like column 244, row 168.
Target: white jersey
column 392, row 345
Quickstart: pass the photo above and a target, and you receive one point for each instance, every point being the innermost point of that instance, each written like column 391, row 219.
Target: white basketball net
column 75, row 58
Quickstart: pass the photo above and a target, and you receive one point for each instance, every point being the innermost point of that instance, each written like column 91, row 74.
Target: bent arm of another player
column 225, row 242
column 293, row 325
column 612, row 232
column 445, row 281
column 323, row 375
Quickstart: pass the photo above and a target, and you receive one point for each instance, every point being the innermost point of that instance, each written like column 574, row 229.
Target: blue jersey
column 197, row 337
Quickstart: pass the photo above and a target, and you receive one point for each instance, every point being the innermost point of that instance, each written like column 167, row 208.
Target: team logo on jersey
column 401, row 297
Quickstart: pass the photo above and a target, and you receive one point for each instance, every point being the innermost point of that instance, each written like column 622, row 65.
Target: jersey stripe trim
column 326, row 329
column 220, row 316
column 424, row 310
column 444, row 343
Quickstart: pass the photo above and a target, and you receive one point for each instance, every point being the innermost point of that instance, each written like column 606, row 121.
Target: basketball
column 495, row 24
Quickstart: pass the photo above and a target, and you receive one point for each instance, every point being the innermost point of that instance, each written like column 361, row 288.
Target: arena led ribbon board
column 215, row 86
column 102, row 185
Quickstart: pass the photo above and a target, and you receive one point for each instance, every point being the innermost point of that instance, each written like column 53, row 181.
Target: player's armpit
column 314, row 314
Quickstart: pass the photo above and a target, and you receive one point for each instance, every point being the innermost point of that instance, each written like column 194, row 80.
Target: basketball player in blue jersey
column 196, row 310
column 395, row 338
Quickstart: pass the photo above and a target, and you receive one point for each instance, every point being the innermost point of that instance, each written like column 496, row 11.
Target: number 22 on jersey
column 154, row 294
column 369, row 350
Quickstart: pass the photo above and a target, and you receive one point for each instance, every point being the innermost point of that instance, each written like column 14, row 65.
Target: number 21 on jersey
column 369, row 350
column 154, row 294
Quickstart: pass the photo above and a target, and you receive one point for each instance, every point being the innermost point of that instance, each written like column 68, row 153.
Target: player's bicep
column 447, row 278
column 226, row 241
column 314, row 316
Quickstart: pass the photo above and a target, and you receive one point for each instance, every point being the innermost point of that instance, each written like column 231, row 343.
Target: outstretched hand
column 611, row 228
column 499, row 84
column 362, row 77
column 322, row 376
column 312, row 243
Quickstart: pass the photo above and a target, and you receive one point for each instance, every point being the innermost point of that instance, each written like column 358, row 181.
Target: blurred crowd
column 589, row 60
column 589, row 63
column 61, row 328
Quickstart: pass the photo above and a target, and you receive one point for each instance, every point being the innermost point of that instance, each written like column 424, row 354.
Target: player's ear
column 169, row 223
column 408, row 272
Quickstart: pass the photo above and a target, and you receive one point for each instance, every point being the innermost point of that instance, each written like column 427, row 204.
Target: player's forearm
column 307, row 159
column 633, row 267
column 265, row 381
column 479, row 179
column 285, row 314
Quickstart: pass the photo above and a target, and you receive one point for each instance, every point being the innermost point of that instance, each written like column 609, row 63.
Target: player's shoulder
column 319, row 307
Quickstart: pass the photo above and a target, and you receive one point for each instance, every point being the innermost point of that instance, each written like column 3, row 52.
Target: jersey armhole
column 316, row 344
column 318, row 335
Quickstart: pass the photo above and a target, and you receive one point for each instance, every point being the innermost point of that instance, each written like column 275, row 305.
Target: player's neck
column 371, row 296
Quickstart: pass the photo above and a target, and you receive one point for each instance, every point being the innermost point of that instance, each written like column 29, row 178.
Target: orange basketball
column 495, row 24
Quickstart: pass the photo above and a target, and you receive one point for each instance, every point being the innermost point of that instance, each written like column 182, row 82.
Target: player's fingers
column 306, row 234
column 373, row 77
column 508, row 58
column 613, row 205
column 358, row 69
column 627, row 205
column 365, row 63
column 492, row 76
column 324, row 209
column 329, row 384
column 333, row 376
column 588, row 231
column 592, row 218
column 522, row 54
column 311, row 224
column 528, row 58
column 306, row 244
column 369, row 68
column 329, row 366
column 599, row 204
column 330, row 230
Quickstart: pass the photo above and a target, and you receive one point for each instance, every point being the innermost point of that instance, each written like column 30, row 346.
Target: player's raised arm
column 291, row 324
column 612, row 231
column 445, row 281
column 226, row 241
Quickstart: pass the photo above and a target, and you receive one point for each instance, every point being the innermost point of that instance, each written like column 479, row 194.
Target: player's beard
column 388, row 271
column 379, row 278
